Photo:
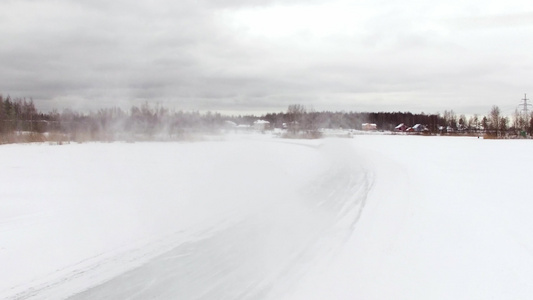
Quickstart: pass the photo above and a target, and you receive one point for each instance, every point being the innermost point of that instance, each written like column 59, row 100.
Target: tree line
column 20, row 121
column 492, row 125
column 21, row 115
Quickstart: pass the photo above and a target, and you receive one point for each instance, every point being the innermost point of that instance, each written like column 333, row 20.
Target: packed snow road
column 261, row 254
column 239, row 219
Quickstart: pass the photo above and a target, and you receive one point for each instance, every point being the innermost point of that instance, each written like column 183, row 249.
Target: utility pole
column 525, row 105
column 525, row 112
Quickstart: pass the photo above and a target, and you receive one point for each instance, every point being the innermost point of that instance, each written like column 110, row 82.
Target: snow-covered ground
column 257, row 217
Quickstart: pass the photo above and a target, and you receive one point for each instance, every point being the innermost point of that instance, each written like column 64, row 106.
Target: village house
column 369, row 126
column 400, row 127
column 261, row 125
column 419, row 128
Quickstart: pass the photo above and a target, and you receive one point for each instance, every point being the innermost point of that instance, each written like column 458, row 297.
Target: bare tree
column 485, row 124
column 462, row 122
column 494, row 119
column 295, row 116
column 473, row 123
column 504, row 121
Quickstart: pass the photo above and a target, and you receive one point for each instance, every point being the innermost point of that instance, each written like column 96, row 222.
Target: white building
column 369, row 126
column 261, row 125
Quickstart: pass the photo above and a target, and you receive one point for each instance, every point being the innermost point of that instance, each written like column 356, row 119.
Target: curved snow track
column 258, row 254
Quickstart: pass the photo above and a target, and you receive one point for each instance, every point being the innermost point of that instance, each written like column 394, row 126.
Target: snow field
column 448, row 218
column 253, row 217
column 76, row 216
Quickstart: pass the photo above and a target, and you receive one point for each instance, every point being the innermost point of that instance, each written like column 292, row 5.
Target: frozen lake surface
column 256, row 217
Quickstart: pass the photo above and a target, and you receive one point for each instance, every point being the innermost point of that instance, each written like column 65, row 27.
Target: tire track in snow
column 263, row 255
column 97, row 269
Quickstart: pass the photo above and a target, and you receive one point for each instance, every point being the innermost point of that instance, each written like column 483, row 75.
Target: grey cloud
column 254, row 3
column 182, row 54
column 493, row 21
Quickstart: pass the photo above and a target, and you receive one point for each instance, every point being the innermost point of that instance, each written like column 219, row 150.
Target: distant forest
column 20, row 121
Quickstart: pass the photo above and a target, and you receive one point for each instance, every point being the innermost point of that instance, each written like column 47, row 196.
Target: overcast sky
column 260, row 56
